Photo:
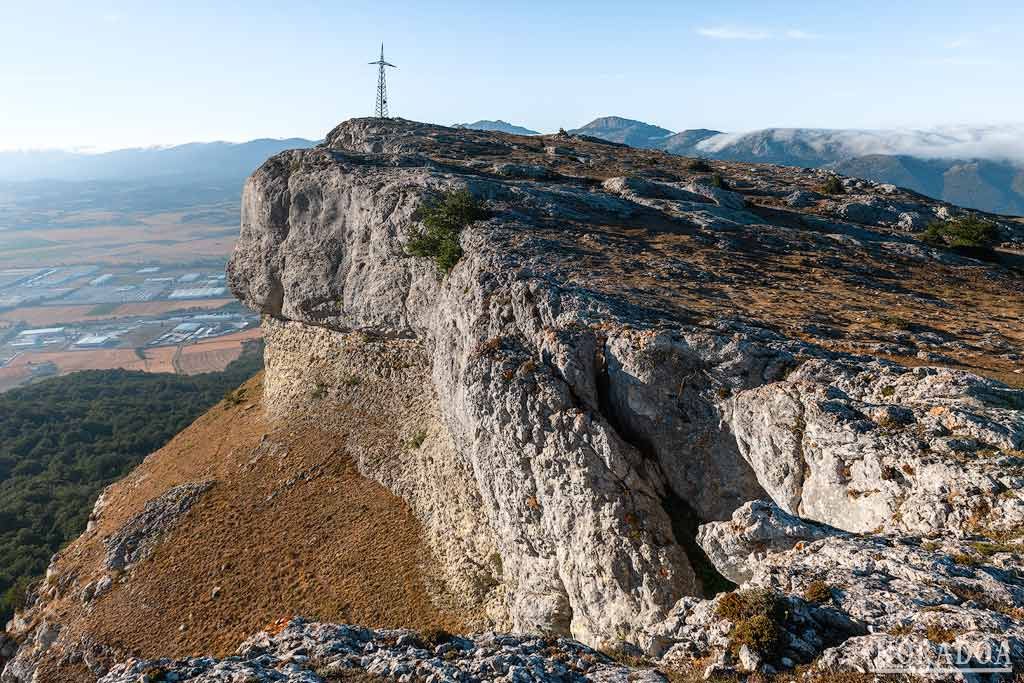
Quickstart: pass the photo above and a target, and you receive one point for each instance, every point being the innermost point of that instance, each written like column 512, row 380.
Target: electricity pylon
column 381, row 111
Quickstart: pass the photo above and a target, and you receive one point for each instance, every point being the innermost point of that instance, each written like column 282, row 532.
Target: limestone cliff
column 632, row 345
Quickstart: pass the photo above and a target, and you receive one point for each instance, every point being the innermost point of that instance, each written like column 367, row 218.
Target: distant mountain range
column 981, row 168
column 498, row 126
column 197, row 161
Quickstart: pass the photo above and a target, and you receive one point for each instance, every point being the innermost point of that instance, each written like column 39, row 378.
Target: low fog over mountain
column 978, row 167
column 993, row 143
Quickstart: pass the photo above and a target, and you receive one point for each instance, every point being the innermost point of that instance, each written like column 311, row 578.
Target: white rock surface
column 306, row 652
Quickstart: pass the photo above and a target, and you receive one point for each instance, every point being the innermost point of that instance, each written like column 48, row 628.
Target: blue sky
column 105, row 74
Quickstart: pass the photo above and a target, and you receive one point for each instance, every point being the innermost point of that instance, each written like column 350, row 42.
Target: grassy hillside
column 63, row 440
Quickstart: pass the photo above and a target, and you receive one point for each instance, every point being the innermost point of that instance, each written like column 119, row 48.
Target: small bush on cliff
column 442, row 222
column 832, row 185
column 756, row 615
column 745, row 604
column 818, row 591
column 759, row 633
column 963, row 232
column 418, row 438
column 435, row 636
column 700, row 165
column 717, row 180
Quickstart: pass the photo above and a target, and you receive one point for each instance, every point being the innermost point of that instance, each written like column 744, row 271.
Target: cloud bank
column 997, row 143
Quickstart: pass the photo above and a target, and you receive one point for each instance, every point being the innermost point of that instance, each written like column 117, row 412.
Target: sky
column 106, row 74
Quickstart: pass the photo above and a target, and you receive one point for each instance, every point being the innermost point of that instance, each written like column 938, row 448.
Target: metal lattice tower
column 381, row 111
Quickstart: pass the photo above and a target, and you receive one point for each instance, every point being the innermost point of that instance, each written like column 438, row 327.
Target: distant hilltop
column 496, row 126
column 625, row 131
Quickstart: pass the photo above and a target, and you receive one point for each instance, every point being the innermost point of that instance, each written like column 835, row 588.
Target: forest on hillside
column 64, row 439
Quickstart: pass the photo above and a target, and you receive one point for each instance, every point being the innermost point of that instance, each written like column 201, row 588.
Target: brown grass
column 122, row 244
column 332, row 546
column 200, row 358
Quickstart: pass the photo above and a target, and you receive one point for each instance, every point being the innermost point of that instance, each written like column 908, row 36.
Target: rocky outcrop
column 864, row 603
column 872, row 446
column 135, row 540
column 629, row 347
column 297, row 651
column 590, row 426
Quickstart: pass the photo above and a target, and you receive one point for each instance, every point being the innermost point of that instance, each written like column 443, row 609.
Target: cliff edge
column 645, row 379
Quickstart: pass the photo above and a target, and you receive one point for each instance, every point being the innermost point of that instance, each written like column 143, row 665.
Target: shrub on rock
column 832, row 185
column 756, row 615
column 442, row 222
column 964, row 232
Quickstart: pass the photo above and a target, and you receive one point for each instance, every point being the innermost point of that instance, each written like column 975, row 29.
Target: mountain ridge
column 993, row 184
column 624, row 131
column 194, row 160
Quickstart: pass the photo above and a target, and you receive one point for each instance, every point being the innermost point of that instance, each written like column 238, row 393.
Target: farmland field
column 41, row 316
column 156, row 360
column 153, row 239
column 205, row 356
column 111, row 263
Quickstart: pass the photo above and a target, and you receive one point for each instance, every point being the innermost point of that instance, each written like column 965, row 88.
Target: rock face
column 870, row 446
column 591, row 424
column 135, row 539
column 551, row 473
column 630, row 346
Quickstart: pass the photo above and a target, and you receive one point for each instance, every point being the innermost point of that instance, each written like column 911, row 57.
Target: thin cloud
column 733, row 33
column 961, row 61
column 746, row 33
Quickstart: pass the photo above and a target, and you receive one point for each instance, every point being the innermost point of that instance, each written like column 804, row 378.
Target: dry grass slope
column 289, row 528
